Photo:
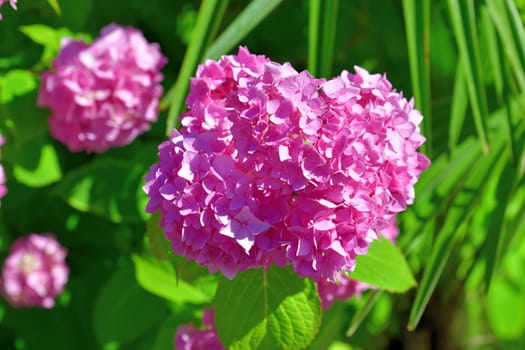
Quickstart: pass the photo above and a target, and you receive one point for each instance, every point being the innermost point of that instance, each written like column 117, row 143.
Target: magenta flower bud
column 11, row 2
column 104, row 94
column 188, row 337
column 35, row 272
column 275, row 166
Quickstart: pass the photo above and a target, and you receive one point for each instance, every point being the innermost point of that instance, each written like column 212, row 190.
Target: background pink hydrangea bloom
column 104, row 94
column 343, row 288
column 11, row 2
column 188, row 337
column 275, row 166
column 35, row 272
column 3, row 188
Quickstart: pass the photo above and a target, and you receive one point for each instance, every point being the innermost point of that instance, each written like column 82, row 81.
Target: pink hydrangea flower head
column 35, row 272
column 275, row 166
column 3, row 188
column 11, row 2
column 104, row 94
column 188, row 337
column 343, row 288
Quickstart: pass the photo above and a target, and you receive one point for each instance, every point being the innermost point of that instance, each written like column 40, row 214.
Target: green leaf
column 458, row 211
column 37, row 163
column 458, row 106
column 363, row 312
column 46, row 36
column 107, row 187
column 417, row 22
column 506, row 298
column 123, row 311
column 322, row 23
column 384, row 266
column 157, row 243
column 15, row 83
column 464, row 24
column 158, row 277
column 510, row 29
column 274, row 309
column 244, row 23
column 56, row 7
column 208, row 20
column 494, row 240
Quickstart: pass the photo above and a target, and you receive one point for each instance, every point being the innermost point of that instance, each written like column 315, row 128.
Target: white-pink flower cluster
column 104, row 94
column 275, row 166
column 35, row 272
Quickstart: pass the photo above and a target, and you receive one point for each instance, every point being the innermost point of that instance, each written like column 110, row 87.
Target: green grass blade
column 458, row 107
column 363, row 311
column 208, row 19
column 243, row 24
column 508, row 25
column 322, row 25
column 494, row 241
column 489, row 34
column 417, row 23
column 464, row 25
column 453, row 228
column 517, row 33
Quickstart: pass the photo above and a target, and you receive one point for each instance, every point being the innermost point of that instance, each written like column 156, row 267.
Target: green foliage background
column 464, row 239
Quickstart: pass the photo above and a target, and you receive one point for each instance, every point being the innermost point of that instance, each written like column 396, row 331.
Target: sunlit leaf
column 107, row 187
column 274, row 309
column 37, row 163
column 55, row 5
column 385, row 267
column 15, row 83
column 158, row 277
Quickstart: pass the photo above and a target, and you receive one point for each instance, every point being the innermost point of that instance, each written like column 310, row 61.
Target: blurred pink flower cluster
column 11, row 2
column 35, row 272
column 275, row 166
column 188, row 337
column 3, row 188
column 104, row 94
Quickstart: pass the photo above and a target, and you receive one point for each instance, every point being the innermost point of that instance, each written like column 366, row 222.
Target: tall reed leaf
column 460, row 208
column 322, row 25
column 463, row 22
column 417, row 23
column 510, row 29
column 244, row 23
column 208, row 20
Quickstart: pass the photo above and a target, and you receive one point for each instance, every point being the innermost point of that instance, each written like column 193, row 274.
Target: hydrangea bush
column 103, row 94
column 275, row 166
